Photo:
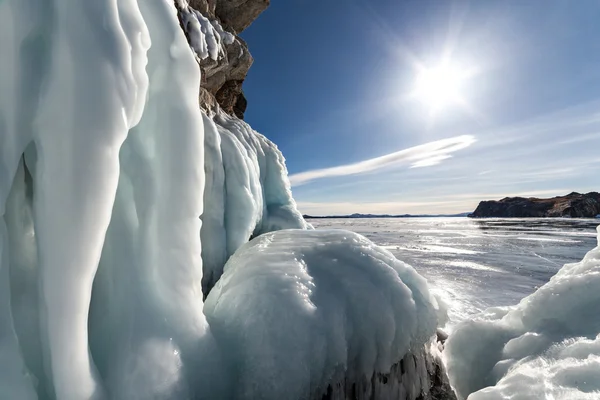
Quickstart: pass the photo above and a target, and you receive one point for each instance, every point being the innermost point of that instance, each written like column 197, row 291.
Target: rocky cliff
column 573, row 205
column 212, row 28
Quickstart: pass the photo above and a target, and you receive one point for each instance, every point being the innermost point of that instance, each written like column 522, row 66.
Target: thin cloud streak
column 424, row 155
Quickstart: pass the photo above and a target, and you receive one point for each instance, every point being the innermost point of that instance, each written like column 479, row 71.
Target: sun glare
column 440, row 86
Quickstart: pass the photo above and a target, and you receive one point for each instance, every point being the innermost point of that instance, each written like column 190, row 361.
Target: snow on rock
column 247, row 191
column 548, row 346
column 223, row 56
column 206, row 37
column 298, row 310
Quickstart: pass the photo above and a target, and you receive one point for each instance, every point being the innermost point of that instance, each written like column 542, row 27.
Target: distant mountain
column 356, row 215
column 573, row 205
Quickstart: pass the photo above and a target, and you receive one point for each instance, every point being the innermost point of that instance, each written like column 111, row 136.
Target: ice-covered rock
column 223, row 56
column 548, row 346
column 297, row 311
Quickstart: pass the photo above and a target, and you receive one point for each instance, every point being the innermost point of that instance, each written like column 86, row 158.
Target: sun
column 441, row 86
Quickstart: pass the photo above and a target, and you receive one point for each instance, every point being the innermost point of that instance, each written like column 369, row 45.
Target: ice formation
column 117, row 192
column 247, row 191
column 548, row 346
column 122, row 205
column 73, row 84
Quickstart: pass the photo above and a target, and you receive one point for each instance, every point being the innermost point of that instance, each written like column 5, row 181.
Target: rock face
column 573, row 205
column 212, row 28
column 418, row 376
column 239, row 14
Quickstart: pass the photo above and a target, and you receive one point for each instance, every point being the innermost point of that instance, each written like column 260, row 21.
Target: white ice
column 548, row 346
column 77, row 124
column 247, row 191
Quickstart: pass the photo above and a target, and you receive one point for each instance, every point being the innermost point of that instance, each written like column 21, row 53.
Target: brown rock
column 206, row 7
column 231, row 98
column 418, row 376
column 222, row 78
column 573, row 205
column 233, row 66
column 239, row 14
column 207, row 101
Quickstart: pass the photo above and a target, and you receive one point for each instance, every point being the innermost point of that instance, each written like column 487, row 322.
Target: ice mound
column 296, row 310
column 548, row 346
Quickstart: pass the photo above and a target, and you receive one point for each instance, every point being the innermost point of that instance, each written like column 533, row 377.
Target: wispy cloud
column 528, row 158
column 424, row 155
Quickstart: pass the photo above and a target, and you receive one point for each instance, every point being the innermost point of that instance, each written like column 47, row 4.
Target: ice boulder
column 548, row 346
column 298, row 313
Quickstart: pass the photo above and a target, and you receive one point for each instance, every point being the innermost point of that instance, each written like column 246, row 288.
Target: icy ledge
column 548, row 346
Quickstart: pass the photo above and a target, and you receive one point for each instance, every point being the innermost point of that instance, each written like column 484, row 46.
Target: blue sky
column 332, row 81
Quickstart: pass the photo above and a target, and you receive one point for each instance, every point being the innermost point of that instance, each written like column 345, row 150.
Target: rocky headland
column 573, row 205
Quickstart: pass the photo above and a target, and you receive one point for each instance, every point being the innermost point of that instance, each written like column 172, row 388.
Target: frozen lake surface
column 478, row 263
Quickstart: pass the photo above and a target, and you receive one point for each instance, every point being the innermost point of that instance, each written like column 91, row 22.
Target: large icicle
column 68, row 81
column 147, row 309
column 95, row 93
